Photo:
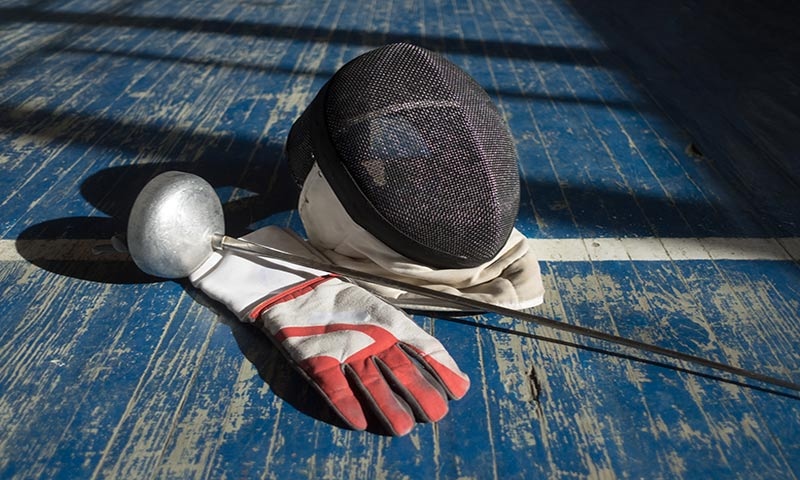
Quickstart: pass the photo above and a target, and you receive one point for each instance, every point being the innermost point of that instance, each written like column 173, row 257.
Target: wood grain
column 108, row 373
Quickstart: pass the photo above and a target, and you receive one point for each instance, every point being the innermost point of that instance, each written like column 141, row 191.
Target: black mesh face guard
column 417, row 154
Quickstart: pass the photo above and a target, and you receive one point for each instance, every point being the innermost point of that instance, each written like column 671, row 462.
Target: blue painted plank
column 109, row 373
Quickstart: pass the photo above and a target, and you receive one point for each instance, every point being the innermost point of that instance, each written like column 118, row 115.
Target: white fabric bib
column 512, row 279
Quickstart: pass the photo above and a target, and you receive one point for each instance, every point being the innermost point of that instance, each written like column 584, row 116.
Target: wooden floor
column 659, row 149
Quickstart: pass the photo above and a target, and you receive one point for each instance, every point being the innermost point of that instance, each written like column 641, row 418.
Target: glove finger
column 441, row 365
column 390, row 409
column 420, row 390
column 325, row 373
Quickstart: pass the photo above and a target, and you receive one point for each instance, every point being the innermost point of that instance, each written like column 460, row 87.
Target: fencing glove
column 366, row 357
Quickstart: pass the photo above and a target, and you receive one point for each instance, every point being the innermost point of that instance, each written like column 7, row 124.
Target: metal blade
column 222, row 242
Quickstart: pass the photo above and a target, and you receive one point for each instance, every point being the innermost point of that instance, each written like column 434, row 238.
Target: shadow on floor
column 728, row 73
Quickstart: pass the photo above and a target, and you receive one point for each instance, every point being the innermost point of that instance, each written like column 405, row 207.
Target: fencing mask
column 406, row 163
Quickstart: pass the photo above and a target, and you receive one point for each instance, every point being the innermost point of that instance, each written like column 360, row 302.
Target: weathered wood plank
column 108, row 373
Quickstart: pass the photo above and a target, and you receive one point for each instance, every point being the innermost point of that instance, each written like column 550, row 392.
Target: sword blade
column 223, row 242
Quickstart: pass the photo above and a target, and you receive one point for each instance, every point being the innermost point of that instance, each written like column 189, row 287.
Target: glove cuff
column 289, row 294
column 243, row 284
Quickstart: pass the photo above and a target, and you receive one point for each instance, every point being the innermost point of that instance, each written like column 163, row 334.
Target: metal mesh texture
column 416, row 152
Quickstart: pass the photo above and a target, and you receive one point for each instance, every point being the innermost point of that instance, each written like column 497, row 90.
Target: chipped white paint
column 665, row 249
column 139, row 380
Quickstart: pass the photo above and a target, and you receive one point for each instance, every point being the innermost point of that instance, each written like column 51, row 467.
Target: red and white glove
column 362, row 354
